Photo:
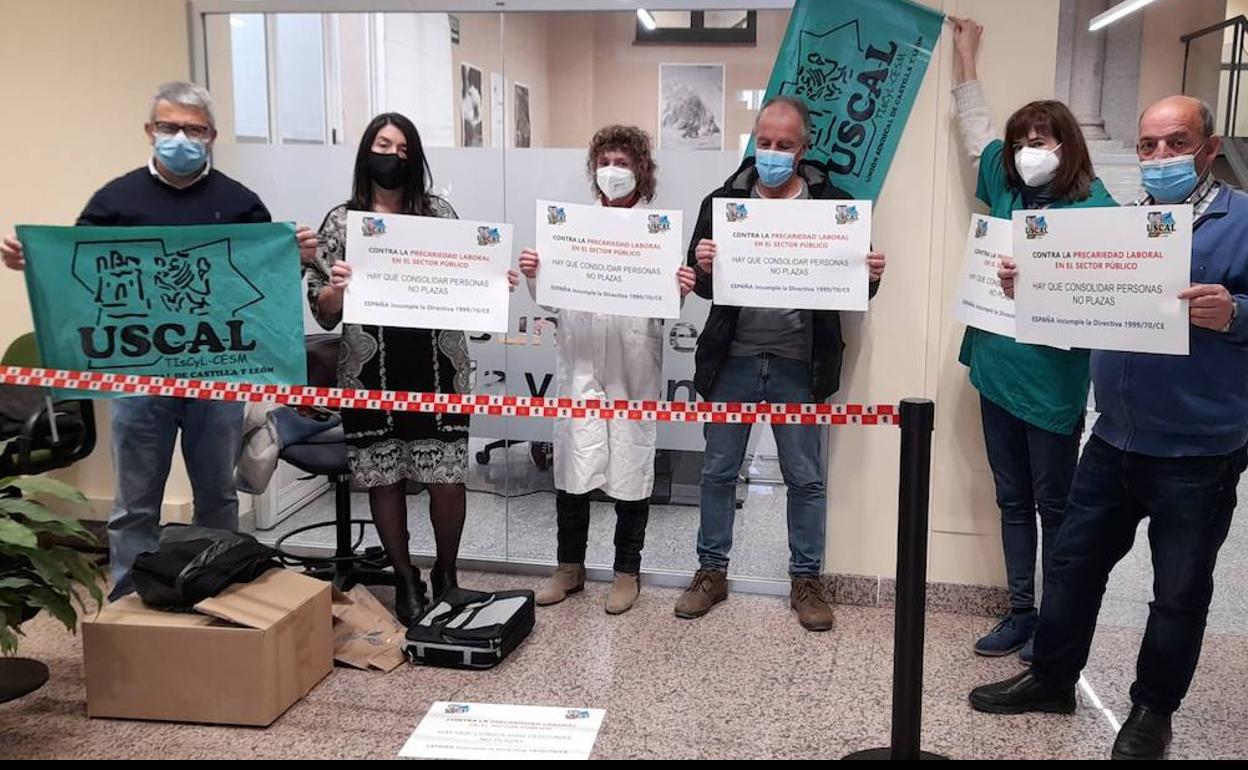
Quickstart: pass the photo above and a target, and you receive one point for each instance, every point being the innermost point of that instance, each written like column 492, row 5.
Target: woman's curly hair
column 636, row 144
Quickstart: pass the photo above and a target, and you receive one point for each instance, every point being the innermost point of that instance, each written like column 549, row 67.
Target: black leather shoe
column 442, row 579
column 1145, row 735
column 1025, row 692
column 409, row 598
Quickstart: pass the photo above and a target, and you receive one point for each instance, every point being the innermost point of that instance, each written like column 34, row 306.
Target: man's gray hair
column 185, row 95
column 797, row 104
column 1206, row 118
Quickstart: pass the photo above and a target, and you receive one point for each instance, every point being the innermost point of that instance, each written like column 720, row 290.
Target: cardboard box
column 243, row 658
column 366, row 635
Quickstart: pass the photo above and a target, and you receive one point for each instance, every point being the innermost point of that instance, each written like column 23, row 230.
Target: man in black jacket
column 773, row 355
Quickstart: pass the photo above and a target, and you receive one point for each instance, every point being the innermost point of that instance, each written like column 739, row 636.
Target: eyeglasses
column 1179, row 144
column 196, row 131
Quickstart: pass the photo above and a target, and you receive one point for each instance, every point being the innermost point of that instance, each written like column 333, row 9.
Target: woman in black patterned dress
column 389, row 449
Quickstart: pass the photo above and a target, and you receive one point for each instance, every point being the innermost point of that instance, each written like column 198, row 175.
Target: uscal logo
column 488, row 236
column 1160, row 224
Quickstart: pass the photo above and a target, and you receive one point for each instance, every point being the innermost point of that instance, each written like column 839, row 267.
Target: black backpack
column 470, row 629
column 196, row 563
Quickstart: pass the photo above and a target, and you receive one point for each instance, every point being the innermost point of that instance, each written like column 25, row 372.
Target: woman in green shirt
column 1033, row 397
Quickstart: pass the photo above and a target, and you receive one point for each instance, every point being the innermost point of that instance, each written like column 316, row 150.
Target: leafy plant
column 36, row 574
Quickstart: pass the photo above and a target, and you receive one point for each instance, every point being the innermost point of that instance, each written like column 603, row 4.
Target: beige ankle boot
column 567, row 579
column 624, row 592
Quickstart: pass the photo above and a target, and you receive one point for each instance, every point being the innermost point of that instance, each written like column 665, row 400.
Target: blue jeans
column 1189, row 502
column 1033, row 469
column 776, row 380
column 144, row 431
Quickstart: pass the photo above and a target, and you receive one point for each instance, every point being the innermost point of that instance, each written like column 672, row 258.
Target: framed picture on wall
column 471, row 106
column 524, row 126
column 497, row 130
column 691, row 106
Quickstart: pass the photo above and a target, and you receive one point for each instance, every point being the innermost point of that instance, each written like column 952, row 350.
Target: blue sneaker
column 1028, row 653
column 1009, row 635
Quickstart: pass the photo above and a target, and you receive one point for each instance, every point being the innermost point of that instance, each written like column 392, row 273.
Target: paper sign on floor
column 494, row 731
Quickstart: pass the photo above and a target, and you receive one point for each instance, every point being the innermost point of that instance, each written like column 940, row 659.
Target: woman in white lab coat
column 606, row 357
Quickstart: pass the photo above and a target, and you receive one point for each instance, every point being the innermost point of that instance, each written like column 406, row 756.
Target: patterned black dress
column 389, row 447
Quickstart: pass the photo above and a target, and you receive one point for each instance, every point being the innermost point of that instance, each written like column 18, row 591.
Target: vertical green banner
column 858, row 64
column 217, row 302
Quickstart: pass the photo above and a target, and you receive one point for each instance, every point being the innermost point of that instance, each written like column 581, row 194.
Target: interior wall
column 626, row 76
column 571, row 67
column 1162, row 53
column 77, row 78
column 1017, row 64
column 1120, row 91
column 529, row 46
column 480, row 45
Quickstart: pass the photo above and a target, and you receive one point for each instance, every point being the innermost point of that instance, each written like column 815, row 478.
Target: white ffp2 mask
column 616, row 182
column 1036, row 165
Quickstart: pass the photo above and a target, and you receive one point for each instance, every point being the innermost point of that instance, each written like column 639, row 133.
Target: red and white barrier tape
column 456, row 403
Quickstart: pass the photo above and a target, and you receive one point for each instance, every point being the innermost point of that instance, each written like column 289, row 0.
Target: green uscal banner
column 216, row 302
column 858, row 65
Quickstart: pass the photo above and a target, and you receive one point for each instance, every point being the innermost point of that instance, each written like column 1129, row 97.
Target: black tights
column 448, row 505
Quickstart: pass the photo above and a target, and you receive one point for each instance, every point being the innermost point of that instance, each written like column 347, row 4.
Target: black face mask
column 387, row 170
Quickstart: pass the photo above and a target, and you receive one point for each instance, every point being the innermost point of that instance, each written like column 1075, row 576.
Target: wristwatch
column 1234, row 315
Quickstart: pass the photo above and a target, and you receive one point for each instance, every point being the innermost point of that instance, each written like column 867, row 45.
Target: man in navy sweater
column 178, row 186
column 1169, row 445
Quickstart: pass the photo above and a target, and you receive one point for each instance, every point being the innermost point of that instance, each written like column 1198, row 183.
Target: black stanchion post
column 917, row 418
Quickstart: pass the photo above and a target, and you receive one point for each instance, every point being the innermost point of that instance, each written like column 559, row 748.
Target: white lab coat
column 606, row 357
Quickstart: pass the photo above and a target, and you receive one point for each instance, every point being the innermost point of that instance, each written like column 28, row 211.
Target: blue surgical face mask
column 180, row 155
column 774, row 167
column 1170, row 180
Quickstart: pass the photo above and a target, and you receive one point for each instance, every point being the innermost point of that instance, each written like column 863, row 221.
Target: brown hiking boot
column 806, row 599
column 566, row 579
column 709, row 587
column 624, row 592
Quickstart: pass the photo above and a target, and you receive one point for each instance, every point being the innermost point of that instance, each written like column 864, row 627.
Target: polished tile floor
column 744, row 682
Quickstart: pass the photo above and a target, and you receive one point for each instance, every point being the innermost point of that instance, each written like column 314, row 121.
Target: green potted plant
column 39, row 570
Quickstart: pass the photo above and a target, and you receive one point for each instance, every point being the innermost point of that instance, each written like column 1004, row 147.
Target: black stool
column 325, row 454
